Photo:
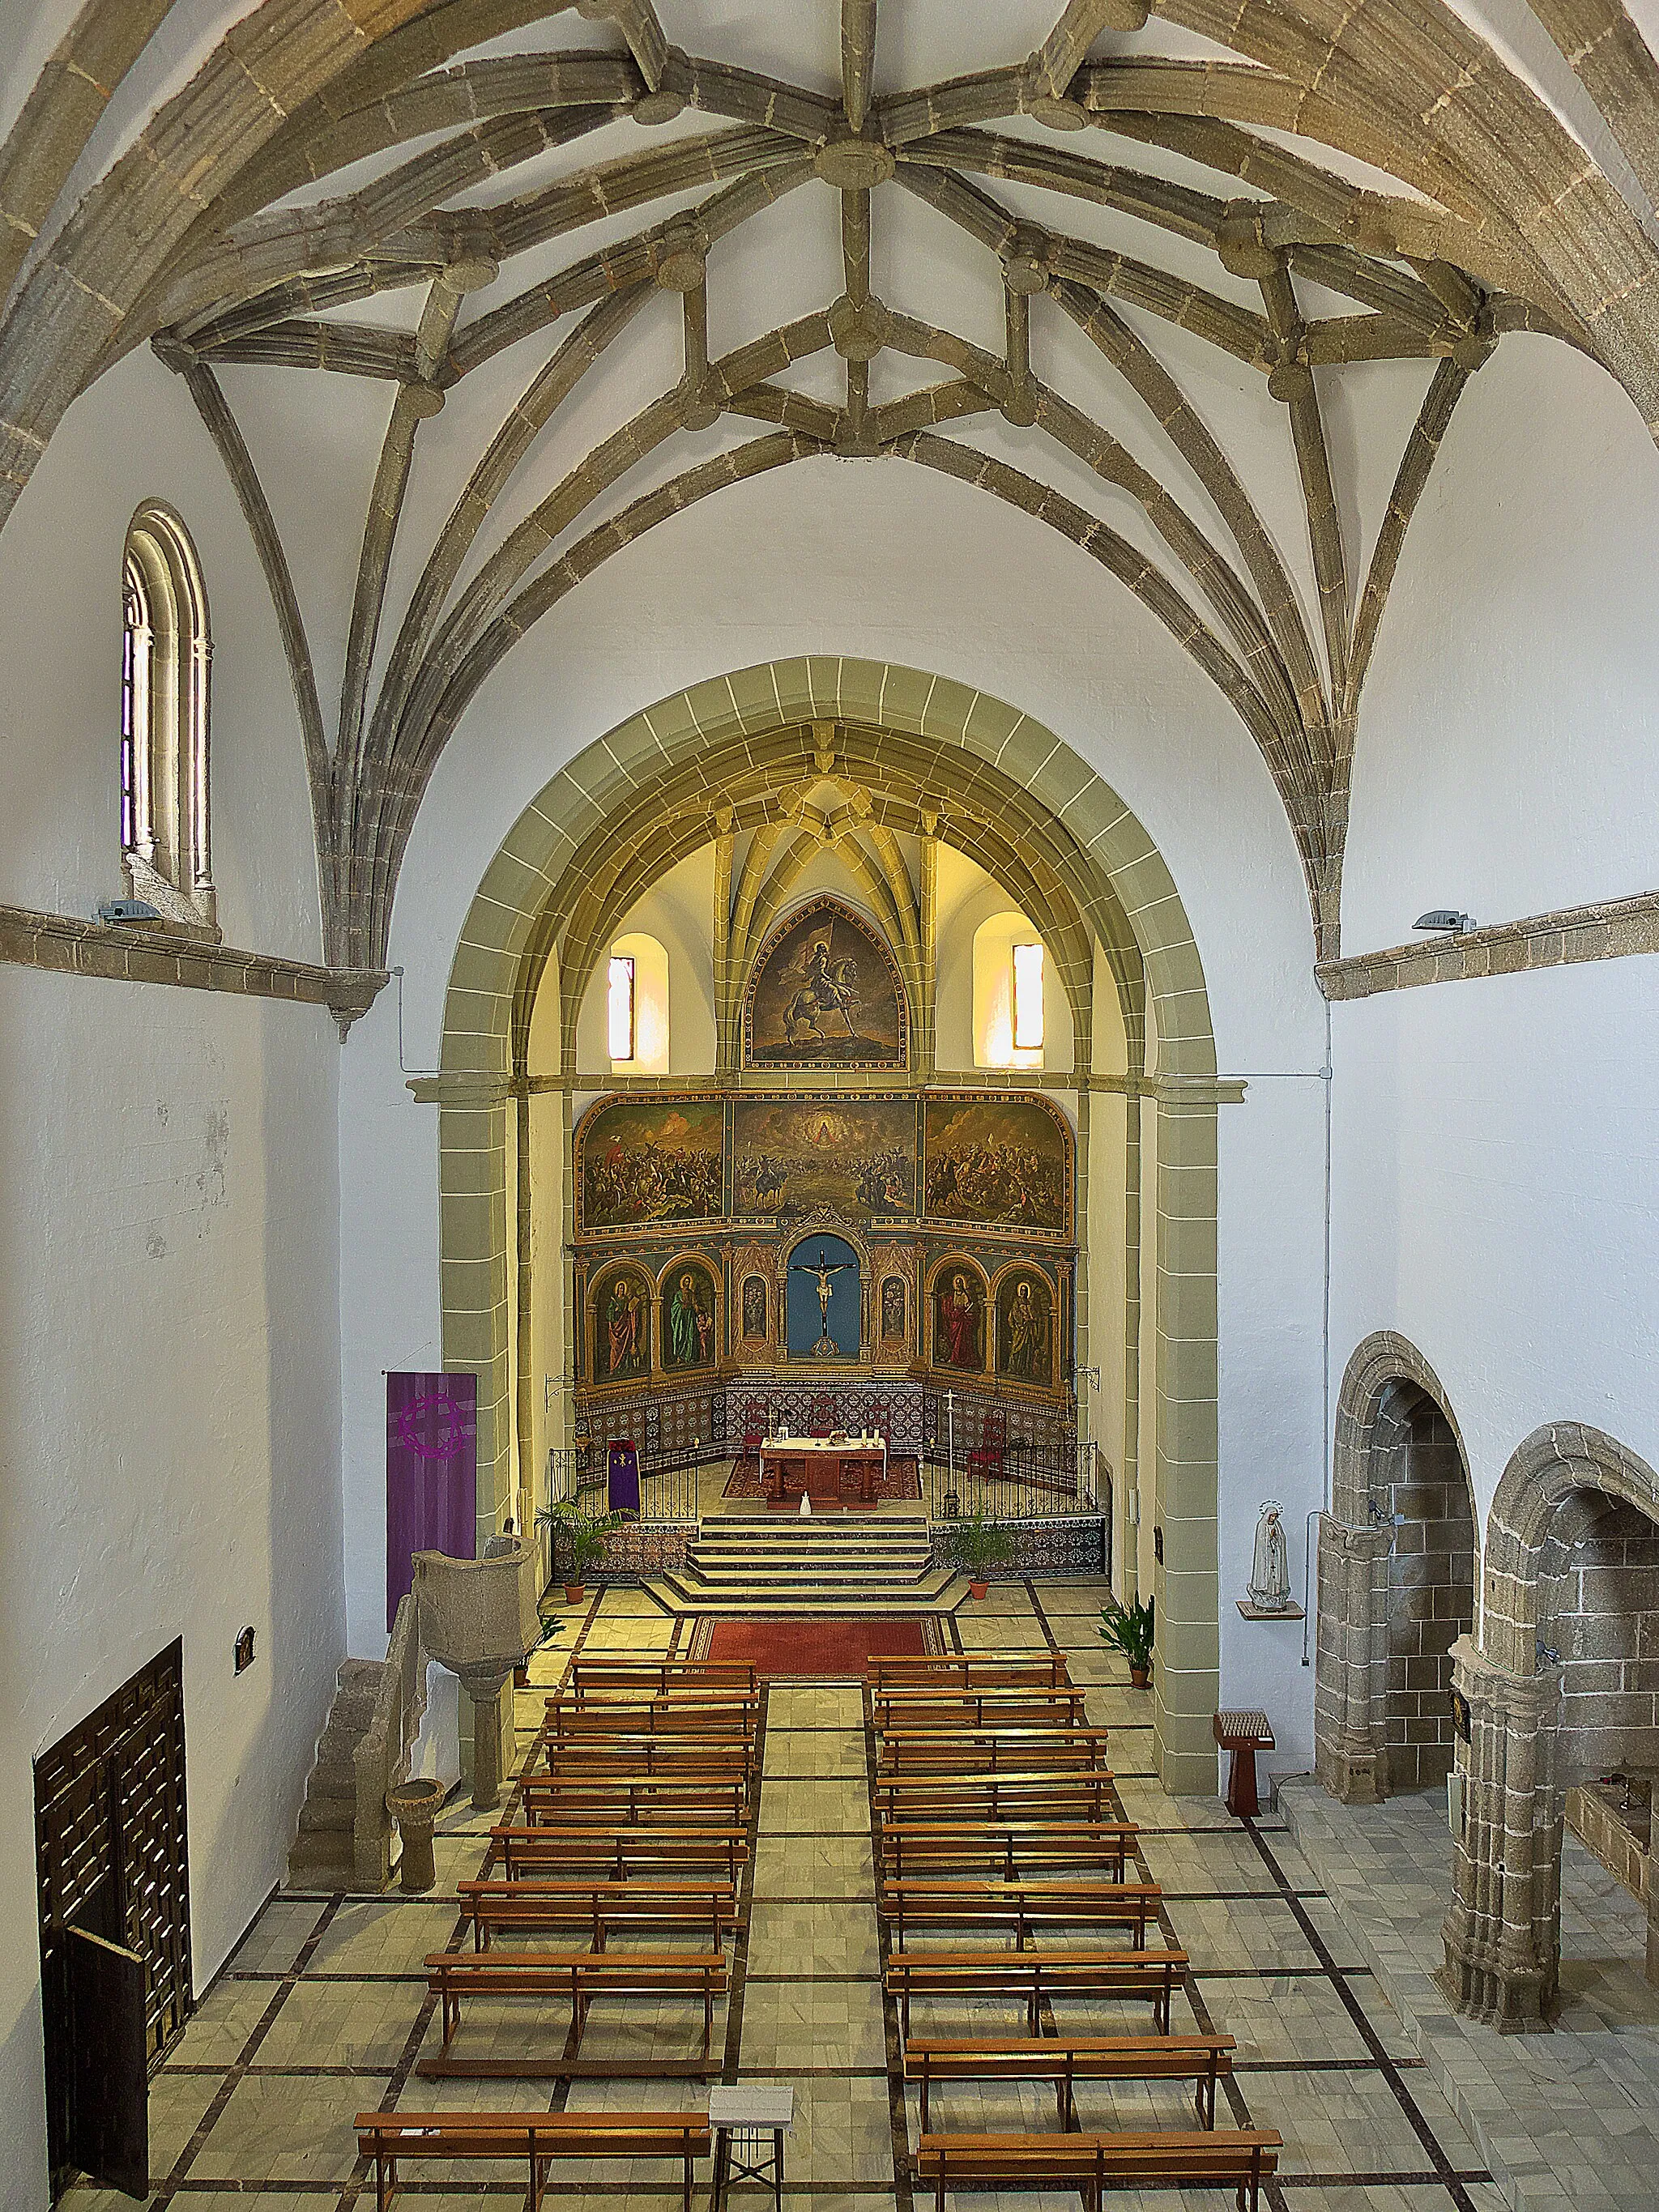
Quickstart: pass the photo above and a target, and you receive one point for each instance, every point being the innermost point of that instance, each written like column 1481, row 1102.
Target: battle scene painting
column 825, row 993
column 998, row 1163
column 640, row 1161
column 795, row 1155
column 622, row 1326
column 1025, row 1309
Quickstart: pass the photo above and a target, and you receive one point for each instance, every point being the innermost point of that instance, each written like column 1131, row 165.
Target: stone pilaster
column 1350, row 1750
column 1502, row 1932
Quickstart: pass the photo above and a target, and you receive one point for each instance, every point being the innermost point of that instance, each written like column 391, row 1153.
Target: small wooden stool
column 1243, row 1735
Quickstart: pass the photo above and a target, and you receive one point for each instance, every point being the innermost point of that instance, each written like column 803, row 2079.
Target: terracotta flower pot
column 1139, row 1678
column 574, row 1593
column 979, row 1589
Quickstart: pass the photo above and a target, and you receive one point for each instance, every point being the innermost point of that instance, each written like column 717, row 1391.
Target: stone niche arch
column 971, row 770
column 1396, row 1576
column 1571, row 1555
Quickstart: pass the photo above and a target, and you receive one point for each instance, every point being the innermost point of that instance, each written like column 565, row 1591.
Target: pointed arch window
column 167, row 653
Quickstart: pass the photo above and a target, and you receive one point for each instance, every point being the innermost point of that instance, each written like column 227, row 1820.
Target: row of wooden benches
column 1031, row 1745
column 1033, row 1979
column 1236, row 2158
column 683, row 1763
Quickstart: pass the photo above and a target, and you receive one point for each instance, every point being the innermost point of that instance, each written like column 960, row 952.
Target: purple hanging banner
column 431, row 1474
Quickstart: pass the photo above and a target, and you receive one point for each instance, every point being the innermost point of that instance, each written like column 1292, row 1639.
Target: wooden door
column 108, row 2062
column 112, row 1865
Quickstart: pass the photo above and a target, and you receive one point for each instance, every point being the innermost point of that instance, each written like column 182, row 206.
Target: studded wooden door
column 111, row 1859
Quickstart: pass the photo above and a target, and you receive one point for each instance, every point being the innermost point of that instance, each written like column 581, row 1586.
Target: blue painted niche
column 804, row 1318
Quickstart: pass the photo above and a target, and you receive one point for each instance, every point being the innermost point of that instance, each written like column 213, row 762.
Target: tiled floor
column 1569, row 2120
column 323, row 2010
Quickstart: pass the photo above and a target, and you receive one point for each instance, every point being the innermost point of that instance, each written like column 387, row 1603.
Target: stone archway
column 1093, row 851
column 1396, row 1576
column 1564, row 1489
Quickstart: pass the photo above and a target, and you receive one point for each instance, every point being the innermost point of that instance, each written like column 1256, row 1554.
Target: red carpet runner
column 815, row 1647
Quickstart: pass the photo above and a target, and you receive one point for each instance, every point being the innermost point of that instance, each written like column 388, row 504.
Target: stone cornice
column 458, row 1087
column 67, row 947
column 1606, row 931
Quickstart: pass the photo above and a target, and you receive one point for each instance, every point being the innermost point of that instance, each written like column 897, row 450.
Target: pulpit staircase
column 844, row 1565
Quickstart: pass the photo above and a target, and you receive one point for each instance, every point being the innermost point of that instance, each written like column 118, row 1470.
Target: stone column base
column 1352, row 1774
column 1515, row 2000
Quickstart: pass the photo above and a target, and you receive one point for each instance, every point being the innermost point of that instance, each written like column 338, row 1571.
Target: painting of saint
column 998, row 1162
column 621, row 1327
column 754, row 1305
column 689, row 1317
column 645, row 1160
column 825, row 992
column 892, row 1310
column 1025, row 1330
column 958, row 1320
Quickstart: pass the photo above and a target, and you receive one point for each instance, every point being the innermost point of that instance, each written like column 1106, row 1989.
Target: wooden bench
column 454, row 1976
column 986, row 1668
column 1021, row 1905
column 1067, row 2059
column 1033, row 1976
column 915, row 1707
column 615, row 1853
column 1232, row 2158
column 1069, row 1794
column 538, row 2138
column 596, row 1908
column 596, row 1677
column 988, row 1751
column 1016, row 1847
column 686, row 1756
column 630, row 1799
column 712, row 1716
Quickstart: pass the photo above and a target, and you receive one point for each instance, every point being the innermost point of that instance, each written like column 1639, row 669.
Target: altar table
column 814, row 1465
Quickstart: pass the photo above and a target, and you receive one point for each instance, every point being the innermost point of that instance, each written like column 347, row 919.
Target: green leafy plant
column 579, row 1536
column 977, row 1545
column 1128, row 1629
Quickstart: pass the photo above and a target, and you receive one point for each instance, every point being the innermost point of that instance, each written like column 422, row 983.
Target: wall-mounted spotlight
column 1446, row 918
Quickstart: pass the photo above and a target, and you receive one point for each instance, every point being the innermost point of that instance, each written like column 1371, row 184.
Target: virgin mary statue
column 1270, row 1568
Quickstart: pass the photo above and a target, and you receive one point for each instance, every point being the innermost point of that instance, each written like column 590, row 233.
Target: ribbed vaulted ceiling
column 602, row 262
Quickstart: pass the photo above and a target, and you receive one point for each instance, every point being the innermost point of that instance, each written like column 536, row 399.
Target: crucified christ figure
column 822, row 1272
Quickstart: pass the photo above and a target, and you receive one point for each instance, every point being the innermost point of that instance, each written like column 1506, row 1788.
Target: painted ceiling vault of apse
column 825, row 993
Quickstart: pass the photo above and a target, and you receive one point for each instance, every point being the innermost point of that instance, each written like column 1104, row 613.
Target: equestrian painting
column 825, row 992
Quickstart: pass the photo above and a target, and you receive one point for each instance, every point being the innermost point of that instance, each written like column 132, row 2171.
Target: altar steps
column 845, row 1567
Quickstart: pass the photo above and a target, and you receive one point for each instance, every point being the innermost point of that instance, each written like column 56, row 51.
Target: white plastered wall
column 169, row 1326
column 1495, row 1195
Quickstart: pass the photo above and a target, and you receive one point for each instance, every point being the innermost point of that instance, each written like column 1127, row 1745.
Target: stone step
column 682, row 1592
column 903, row 1547
column 353, row 1709
column 807, row 1535
column 725, row 1576
column 327, row 1816
column 338, row 1742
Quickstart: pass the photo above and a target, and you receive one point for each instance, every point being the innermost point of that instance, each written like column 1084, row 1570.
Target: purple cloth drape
column 622, row 1478
column 431, row 1474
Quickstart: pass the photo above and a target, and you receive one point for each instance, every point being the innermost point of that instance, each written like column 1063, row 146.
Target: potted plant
column 1128, row 1629
column 584, row 1537
column 976, row 1545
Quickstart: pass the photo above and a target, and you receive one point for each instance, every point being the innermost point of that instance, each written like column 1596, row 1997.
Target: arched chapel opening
column 883, row 1236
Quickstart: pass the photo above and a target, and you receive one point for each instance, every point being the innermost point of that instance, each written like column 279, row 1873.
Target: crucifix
column 825, row 1347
